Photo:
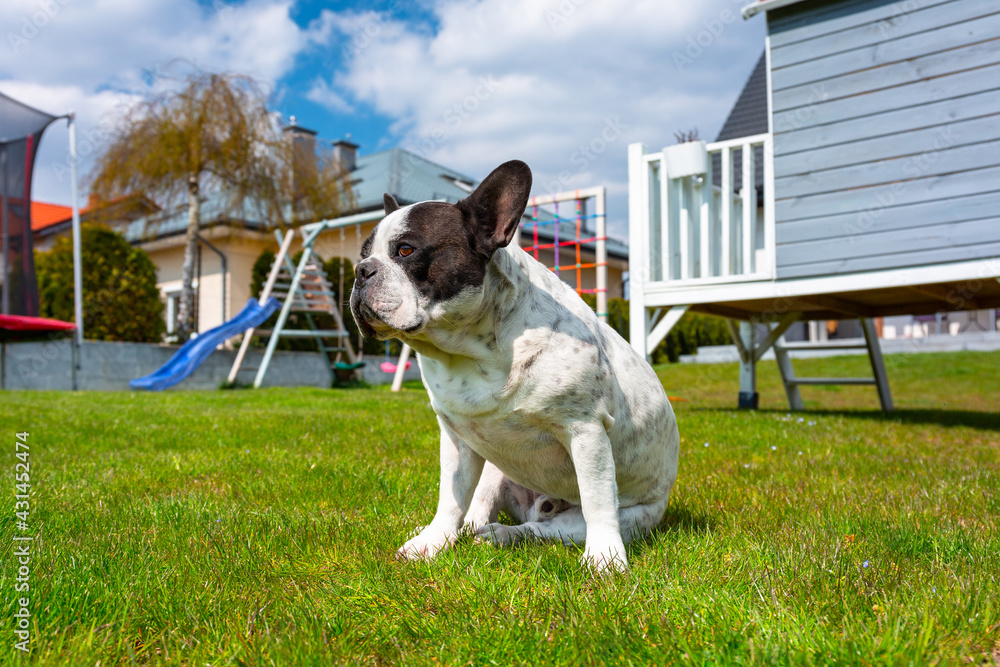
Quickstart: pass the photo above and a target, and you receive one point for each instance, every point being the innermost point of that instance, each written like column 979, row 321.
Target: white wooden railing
column 684, row 227
column 686, row 231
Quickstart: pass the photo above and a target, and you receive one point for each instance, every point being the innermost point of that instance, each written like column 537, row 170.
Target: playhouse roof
column 764, row 6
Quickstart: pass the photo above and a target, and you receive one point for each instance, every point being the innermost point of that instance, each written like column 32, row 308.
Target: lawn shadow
column 681, row 519
column 987, row 421
column 677, row 519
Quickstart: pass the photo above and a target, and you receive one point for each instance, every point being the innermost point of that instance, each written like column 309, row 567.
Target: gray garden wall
column 109, row 367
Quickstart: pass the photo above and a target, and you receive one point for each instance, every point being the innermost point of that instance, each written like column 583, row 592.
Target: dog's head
column 428, row 260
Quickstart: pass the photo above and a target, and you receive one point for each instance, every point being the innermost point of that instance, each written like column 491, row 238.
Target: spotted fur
column 546, row 413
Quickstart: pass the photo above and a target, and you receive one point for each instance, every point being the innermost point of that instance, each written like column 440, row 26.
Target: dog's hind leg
column 495, row 493
column 569, row 527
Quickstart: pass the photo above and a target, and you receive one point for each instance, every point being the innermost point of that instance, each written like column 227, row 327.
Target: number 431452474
column 22, row 468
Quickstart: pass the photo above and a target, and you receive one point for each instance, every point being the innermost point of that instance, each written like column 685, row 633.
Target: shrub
column 120, row 298
column 690, row 332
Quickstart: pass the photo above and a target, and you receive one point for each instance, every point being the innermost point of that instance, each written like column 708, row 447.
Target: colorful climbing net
column 556, row 237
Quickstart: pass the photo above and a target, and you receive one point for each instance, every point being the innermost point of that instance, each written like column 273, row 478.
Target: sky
column 564, row 85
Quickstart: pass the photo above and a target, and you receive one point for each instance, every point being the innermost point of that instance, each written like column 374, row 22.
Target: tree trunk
column 185, row 310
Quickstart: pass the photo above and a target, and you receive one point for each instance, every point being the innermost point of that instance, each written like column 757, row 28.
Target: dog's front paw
column 605, row 556
column 427, row 544
column 504, row 536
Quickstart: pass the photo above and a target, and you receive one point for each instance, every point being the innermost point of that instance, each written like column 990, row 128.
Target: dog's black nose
column 365, row 270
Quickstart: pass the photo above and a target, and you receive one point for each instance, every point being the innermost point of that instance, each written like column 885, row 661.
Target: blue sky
column 565, row 85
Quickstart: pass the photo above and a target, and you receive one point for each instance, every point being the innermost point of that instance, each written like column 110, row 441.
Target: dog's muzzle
column 365, row 282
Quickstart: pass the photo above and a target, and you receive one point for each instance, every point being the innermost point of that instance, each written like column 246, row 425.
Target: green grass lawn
column 258, row 527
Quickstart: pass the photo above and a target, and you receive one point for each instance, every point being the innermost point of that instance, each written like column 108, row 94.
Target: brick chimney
column 346, row 153
column 303, row 146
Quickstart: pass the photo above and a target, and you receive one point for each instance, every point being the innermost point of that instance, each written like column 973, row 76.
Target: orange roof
column 44, row 215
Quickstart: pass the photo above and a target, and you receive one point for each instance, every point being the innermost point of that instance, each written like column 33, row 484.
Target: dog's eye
column 405, row 250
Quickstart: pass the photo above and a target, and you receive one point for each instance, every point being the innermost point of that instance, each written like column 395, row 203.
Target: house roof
column 48, row 219
column 749, row 114
column 747, row 118
column 406, row 176
column 764, row 6
column 43, row 215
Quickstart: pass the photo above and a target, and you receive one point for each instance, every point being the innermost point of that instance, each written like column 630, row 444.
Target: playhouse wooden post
column 748, row 366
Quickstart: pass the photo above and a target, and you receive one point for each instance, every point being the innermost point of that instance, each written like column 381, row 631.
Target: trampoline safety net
column 21, row 129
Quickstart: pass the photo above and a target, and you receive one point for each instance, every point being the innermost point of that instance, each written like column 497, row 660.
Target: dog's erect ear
column 498, row 204
column 389, row 203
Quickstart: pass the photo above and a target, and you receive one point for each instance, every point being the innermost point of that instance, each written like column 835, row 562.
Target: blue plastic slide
column 194, row 352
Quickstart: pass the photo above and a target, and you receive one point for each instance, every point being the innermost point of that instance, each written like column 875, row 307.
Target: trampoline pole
column 77, row 268
column 5, row 250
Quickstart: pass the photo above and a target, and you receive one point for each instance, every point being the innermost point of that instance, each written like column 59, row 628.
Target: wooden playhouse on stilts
column 873, row 188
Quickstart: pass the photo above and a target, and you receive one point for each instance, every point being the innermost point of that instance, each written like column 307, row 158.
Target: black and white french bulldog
column 545, row 412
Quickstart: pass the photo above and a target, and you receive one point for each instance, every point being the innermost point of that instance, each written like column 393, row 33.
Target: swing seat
column 345, row 372
column 389, row 367
column 341, row 366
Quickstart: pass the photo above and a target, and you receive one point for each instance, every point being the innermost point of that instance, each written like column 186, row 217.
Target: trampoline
column 22, row 329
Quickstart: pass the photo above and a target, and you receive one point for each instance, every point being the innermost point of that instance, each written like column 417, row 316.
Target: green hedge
column 120, row 299
column 690, row 332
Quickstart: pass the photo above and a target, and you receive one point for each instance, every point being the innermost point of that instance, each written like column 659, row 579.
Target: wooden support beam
column 734, row 332
column 851, row 308
column 787, row 375
column 949, row 298
column 664, row 326
column 878, row 365
column 723, row 311
column 797, row 381
column 779, row 329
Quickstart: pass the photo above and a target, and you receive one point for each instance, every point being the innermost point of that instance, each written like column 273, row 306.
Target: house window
column 173, row 303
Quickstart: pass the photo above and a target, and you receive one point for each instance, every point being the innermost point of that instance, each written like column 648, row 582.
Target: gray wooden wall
column 886, row 121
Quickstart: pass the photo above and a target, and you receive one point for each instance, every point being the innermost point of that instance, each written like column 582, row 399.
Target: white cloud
column 321, row 93
column 103, row 42
column 96, row 56
column 564, row 85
